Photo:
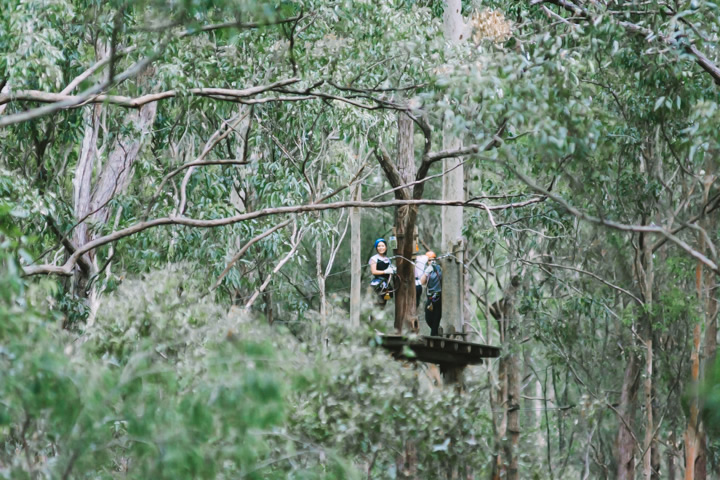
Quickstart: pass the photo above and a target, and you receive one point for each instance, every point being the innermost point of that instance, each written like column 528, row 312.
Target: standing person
column 433, row 306
column 381, row 267
column 420, row 263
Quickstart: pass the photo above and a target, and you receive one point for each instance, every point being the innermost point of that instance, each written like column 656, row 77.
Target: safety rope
column 306, row 282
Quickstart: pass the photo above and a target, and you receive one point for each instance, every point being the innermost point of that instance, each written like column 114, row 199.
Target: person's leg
column 418, row 295
column 431, row 317
column 428, row 315
column 435, row 324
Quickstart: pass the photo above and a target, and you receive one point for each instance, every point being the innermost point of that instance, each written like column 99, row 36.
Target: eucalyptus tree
column 163, row 63
column 222, row 123
column 608, row 107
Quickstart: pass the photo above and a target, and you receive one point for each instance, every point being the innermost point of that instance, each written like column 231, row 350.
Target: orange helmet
column 431, row 255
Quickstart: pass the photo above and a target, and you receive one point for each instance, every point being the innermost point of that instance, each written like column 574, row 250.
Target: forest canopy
column 190, row 193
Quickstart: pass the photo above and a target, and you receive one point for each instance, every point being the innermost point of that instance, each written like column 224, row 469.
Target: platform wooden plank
column 440, row 350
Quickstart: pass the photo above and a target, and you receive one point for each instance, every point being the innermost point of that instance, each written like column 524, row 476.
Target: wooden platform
column 445, row 351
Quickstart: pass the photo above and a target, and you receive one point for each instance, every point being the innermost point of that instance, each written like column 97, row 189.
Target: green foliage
column 370, row 407
column 710, row 401
column 113, row 402
column 620, row 125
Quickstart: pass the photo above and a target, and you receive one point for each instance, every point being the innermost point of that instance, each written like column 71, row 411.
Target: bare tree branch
column 215, row 138
column 343, row 187
column 456, row 152
column 237, row 24
column 94, row 68
column 391, row 173
column 295, row 243
column 66, row 101
column 246, row 247
column 430, row 158
column 71, row 101
column 67, row 268
column 585, row 272
column 617, row 225
column 700, row 58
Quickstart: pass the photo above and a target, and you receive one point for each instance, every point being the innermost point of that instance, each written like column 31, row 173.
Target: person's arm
column 423, row 279
column 374, row 270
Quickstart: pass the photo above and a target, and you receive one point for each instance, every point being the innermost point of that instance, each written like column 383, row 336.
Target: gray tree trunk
column 405, row 217
column 452, row 189
column 355, row 254
column 625, row 443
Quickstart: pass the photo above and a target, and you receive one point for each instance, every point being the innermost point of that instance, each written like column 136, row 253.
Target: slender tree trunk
column 321, row 290
column 83, row 184
column 498, row 400
column 513, row 416
column 92, row 200
column 649, row 427
column 507, row 433
column 355, row 253
column 709, row 293
column 692, row 434
column 117, row 172
column 625, row 442
column 655, row 458
column 406, row 462
column 649, row 281
column 671, row 457
column 696, row 446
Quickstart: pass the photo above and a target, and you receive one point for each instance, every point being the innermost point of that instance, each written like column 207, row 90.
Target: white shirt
column 377, row 258
column 420, row 262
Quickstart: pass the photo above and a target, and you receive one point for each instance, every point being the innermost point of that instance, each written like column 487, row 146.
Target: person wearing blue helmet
column 382, row 269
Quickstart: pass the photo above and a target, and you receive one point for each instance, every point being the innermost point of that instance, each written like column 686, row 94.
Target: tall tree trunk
column 671, row 457
column 452, row 189
column 321, row 283
column 507, row 432
column 93, row 199
column 696, row 445
column 625, row 442
column 692, row 433
column 355, row 253
column 513, row 415
column 497, row 400
column 649, row 426
column 405, row 219
column 117, row 171
column 82, row 192
column 648, row 272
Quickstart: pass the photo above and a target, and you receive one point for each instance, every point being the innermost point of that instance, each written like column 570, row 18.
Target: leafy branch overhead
column 175, row 175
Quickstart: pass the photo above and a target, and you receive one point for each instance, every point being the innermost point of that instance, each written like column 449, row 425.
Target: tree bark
column 649, row 426
column 355, row 253
column 405, row 219
column 117, row 171
column 692, row 433
column 507, row 433
column 513, row 415
column 452, row 189
column 625, row 442
column 671, row 457
column 321, row 288
column 648, row 272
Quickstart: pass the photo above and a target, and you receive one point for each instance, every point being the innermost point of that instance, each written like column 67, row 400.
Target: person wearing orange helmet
column 432, row 277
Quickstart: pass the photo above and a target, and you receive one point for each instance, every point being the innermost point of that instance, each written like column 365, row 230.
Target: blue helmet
column 378, row 241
